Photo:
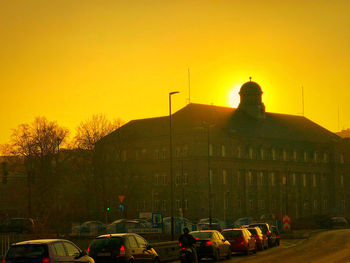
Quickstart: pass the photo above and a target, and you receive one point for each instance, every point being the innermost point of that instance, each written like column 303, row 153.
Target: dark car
column 46, row 251
column 241, row 240
column 18, row 225
column 211, row 244
column 123, row 247
column 266, row 229
column 275, row 236
column 260, row 238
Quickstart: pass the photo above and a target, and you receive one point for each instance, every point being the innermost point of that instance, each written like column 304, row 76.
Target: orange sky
column 70, row 59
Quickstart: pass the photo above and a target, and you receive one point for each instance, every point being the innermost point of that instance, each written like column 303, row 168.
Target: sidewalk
column 300, row 233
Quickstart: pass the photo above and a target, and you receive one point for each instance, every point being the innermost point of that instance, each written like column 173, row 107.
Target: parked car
column 90, row 227
column 211, row 244
column 124, row 247
column 124, row 225
column 266, row 229
column 260, row 238
column 46, row 251
column 241, row 240
column 338, row 222
column 276, row 236
column 18, row 225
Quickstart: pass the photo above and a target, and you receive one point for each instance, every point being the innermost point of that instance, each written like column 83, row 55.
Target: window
column 305, row 156
column 164, row 205
column 177, row 178
column 164, row 179
column 284, row 155
column 156, row 154
column 226, row 202
column 314, row 180
column 211, row 176
column 260, row 178
column 210, row 150
column 274, row 204
column 223, row 150
column 315, row 156
column 294, row 179
column 250, row 204
column 178, row 204
column 262, row 154
column 274, row 154
column 142, row 243
column 185, row 177
column 237, row 177
column 295, row 155
column 123, row 155
column 284, row 179
column 325, row 157
column 72, row 250
column 239, row 153
column 304, row 179
column 272, row 178
column 315, row 204
column 132, row 242
column 250, row 153
column 185, row 150
column 261, row 204
column 177, row 152
column 341, row 158
column 156, row 179
column 224, row 176
column 250, row 178
column 185, row 204
column 59, row 248
column 342, row 180
column 163, row 154
column 325, row 204
column 137, row 155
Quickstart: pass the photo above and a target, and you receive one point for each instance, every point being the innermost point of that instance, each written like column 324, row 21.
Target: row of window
column 161, row 205
column 270, row 178
column 163, row 179
column 246, row 153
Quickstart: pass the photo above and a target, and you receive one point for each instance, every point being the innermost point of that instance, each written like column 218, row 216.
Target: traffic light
column 4, row 172
column 108, row 208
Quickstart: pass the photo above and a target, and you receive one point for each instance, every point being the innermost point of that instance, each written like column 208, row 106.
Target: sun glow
column 234, row 97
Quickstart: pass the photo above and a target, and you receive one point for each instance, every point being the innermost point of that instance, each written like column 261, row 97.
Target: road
column 325, row 247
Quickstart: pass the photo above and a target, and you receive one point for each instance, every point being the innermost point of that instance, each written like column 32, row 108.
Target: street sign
column 121, row 207
column 286, row 222
column 121, row 198
column 157, row 219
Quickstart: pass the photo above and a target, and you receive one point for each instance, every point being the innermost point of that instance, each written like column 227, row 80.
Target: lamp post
column 209, row 178
column 171, row 168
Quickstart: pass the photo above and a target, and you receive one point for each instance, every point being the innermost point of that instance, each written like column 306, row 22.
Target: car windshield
column 231, row 233
column 261, row 226
column 202, row 235
column 112, row 243
column 27, row 251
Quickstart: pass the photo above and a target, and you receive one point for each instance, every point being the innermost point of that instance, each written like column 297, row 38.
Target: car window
column 202, row 235
column 27, row 251
column 142, row 243
column 59, row 249
column 72, row 250
column 132, row 241
column 232, row 233
column 105, row 243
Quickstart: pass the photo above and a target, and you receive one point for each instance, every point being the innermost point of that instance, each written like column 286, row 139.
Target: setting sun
column 234, row 98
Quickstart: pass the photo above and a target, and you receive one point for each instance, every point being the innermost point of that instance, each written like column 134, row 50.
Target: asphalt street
column 325, row 247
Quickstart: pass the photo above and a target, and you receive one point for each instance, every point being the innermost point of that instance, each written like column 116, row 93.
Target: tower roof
column 250, row 87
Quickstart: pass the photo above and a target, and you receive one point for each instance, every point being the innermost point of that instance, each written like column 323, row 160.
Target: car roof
column 206, row 230
column 39, row 241
column 116, row 235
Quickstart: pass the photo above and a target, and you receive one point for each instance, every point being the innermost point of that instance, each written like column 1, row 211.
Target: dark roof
column 236, row 123
column 250, row 87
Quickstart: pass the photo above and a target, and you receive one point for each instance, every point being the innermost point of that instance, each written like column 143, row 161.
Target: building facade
column 230, row 162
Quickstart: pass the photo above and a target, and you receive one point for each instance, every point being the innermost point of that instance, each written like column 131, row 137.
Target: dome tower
column 251, row 102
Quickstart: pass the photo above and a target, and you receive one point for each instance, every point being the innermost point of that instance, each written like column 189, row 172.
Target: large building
column 232, row 162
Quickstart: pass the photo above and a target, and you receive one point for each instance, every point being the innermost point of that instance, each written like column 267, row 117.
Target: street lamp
column 171, row 168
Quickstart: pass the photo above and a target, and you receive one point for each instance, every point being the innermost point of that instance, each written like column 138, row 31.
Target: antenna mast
column 189, row 87
column 302, row 95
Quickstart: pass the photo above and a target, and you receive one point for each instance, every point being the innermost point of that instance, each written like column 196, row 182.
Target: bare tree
column 93, row 129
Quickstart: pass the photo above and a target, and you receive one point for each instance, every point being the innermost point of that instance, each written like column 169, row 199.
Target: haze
column 68, row 60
